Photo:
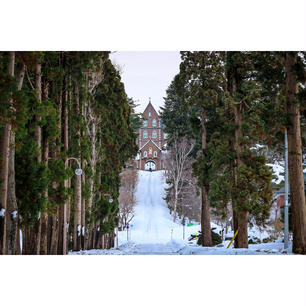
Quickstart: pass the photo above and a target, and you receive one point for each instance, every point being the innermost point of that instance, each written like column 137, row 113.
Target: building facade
column 151, row 140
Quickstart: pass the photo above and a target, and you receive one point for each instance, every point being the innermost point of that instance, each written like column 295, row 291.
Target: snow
column 2, row 212
column 14, row 214
column 153, row 231
column 277, row 170
column 175, row 247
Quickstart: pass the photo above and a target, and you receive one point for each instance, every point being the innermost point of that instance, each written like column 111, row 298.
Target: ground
column 153, row 232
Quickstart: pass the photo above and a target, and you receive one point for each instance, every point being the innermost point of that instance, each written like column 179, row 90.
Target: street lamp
column 79, row 229
column 110, row 200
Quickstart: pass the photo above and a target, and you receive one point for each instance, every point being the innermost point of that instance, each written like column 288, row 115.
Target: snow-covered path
column 152, row 222
column 153, row 231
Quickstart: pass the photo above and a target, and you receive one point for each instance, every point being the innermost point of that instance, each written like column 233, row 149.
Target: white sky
column 147, row 74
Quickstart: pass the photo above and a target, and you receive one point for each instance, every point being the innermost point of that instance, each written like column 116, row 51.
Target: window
column 145, row 153
column 145, row 134
column 150, row 150
column 150, row 114
column 145, row 123
column 154, row 122
column 165, row 135
column 155, row 154
column 154, row 134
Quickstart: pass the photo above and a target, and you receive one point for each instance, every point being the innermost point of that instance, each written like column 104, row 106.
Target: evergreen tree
column 201, row 79
column 71, row 112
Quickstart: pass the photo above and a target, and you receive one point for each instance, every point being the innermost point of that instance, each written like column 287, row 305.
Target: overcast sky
column 147, row 74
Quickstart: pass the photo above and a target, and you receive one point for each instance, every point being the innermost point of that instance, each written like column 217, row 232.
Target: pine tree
column 76, row 92
column 281, row 75
column 201, row 77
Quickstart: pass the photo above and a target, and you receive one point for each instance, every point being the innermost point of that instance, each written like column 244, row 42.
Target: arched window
column 145, row 123
column 155, row 154
column 154, row 134
column 145, row 134
column 145, row 154
column 150, row 150
column 154, row 122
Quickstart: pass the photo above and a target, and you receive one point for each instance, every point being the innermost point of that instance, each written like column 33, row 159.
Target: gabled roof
column 152, row 108
column 150, row 140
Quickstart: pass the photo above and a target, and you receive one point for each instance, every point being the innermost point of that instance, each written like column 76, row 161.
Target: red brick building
column 150, row 141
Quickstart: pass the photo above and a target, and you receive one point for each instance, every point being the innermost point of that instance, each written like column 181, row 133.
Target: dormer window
column 150, row 114
column 154, row 122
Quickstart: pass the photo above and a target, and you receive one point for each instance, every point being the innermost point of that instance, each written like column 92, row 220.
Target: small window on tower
column 150, row 114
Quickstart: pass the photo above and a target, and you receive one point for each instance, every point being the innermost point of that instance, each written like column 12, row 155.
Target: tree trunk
column 54, row 233
column 240, row 217
column 205, row 212
column 92, row 162
column 54, row 226
column 63, row 109
column 4, row 166
column 77, row 191
column 44, row 215
column 33, row 235
column 296, row 178
column 83, row 204
column 69, row 230
column 175, row 204
column 45, row 158
column 12, row 208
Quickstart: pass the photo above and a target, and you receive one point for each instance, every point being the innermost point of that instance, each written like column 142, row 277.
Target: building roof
column 150, row 140
column 151, row 106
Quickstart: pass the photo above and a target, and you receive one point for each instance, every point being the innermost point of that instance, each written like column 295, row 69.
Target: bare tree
column 127, row 198
column 176, row 162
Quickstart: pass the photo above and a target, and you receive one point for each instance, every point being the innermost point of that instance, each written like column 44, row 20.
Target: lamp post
column 77, row 219
column 286, row 238
column 110, row 200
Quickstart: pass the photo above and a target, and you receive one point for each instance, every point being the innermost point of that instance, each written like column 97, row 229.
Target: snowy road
column 153, row 231
column 152, row 222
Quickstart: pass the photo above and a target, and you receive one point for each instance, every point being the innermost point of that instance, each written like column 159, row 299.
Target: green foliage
column 63, row 73
column 216, row 238
column 32, row 180
column 222, row 84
